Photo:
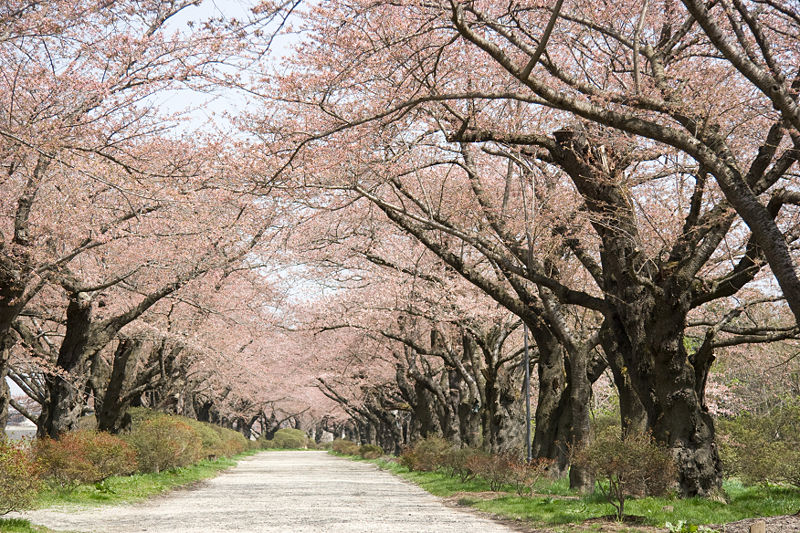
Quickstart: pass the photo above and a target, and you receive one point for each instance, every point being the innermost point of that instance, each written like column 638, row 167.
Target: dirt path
column 281, row 492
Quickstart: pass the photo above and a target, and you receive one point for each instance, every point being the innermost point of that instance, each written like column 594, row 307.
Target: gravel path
column 281, row 492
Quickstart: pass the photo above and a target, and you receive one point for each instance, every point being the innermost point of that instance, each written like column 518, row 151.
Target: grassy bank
column 553, row 506
column 18, row 525
column 122, row 489
column 137, row 487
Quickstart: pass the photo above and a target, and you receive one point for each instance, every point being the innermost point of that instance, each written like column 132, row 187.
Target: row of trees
column 134, row 263
column 617, row 176
column 407, row 189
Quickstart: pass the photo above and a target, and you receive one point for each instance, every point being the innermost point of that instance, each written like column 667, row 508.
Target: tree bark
column 64, row 408
column 112, row 412
column 633, row 417
column 580, row 395
column 666, row 383
column 553, row 415
column 5, row 392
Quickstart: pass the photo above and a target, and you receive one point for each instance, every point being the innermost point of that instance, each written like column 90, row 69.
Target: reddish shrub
column 19, row 477
column 84, row 457
column 525, row 475
column 345, row 447
column 456, row 463
column 629, row 466
column 426, row 455
column 497, row 470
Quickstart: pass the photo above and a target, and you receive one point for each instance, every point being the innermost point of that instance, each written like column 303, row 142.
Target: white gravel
column 281, row 492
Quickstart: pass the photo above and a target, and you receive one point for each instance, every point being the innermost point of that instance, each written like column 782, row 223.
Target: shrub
column 19, row 477
column 497, row 470
column 426, row 455
column 210, row 438
column 627, row 465
column 84, row 456
column 289, row 438
column 763, row 449
column 370, row 451
column 163, row 442
column 233, row 442
column 524, row 475
column 456, row 463
column 219, row 441
column 345, row 447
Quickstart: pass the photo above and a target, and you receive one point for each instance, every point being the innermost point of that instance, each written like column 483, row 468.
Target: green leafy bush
column 426, row 455
column 370, row 451
column 211, row 439
column 233, row 442
column 345, row 447
column 765, row 448
column 164, row 442
column 288, row 439
column 84, row 456
column 19, row 477
column 218, row 441
column 626, row 466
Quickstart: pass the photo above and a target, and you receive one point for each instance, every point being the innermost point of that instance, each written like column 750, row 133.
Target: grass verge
column 553, row 505
column 122, row 489
column 18, row 525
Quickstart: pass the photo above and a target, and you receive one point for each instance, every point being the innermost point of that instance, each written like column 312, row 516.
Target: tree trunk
column 5, row 400
column 491, row 419
column 5, row 392
column 553, row 413
column 580, row 394
column 633, row 417
column 510, row 415
column 423, row 412
column 65, row 403
column 112, row 412
column 665, row 381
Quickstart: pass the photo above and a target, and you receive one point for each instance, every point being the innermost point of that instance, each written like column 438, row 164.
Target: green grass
column 18, row 525
column 119, row 489
column 550, row 507
column 122, row 489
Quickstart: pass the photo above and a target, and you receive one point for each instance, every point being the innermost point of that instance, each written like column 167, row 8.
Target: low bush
column 456, row 463
column 426, row 455
column 524, row 475
column 345, row 447
column 211, row 440
column 84, row 456
column 624, row 467
column 19, row 477
column 289, row 438
column 230, row 442
column 496, row 470
column 764, row 448
column 370, row 451
column 163, row 442
column 234, row 442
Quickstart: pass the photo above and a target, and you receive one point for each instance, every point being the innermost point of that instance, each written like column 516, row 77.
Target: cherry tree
column 76, row 81
column 507, row 138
